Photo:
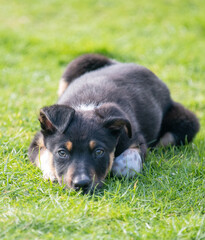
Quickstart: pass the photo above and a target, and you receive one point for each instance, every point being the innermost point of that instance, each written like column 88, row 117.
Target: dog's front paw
column 129, row 163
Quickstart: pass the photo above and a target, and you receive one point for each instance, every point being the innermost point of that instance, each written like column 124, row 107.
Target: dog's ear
column 114, row 118
column 56, row 117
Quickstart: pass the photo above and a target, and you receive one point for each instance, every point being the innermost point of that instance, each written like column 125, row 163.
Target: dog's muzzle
column 81, row 182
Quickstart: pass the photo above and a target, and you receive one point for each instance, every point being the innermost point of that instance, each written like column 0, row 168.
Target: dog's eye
column 99, row 153
column 62, row 153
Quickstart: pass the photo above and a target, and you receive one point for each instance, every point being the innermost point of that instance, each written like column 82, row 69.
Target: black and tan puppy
column 107, row 114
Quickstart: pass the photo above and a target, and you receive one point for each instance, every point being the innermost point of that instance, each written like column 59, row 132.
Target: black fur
column 133, row 108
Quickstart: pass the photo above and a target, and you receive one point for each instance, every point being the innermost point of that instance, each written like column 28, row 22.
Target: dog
column 107, row 115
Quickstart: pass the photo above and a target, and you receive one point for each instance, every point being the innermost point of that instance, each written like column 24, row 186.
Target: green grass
column 37, row 40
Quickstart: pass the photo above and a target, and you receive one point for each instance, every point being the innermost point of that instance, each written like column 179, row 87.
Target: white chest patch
column 128, row 164
column 85, row 107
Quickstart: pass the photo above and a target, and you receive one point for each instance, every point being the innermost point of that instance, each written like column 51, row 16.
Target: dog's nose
column 81, row 182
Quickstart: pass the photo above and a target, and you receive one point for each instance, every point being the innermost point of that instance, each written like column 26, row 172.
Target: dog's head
column 83, row 142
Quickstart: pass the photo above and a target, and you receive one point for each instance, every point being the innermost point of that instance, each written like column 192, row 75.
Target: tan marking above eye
column 92, row 144
column 69, row 145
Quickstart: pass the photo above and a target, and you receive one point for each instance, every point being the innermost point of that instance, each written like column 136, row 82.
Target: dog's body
column 107, row 109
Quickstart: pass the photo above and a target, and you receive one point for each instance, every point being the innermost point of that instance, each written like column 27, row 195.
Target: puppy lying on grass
column 107, row 114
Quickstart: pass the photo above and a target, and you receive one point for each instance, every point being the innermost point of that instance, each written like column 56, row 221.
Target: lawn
column 37, row 40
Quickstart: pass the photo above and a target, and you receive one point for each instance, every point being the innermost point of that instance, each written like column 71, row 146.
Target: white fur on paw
column 129, row 163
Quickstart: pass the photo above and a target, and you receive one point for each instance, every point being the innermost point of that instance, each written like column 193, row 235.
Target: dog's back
column 134, row 88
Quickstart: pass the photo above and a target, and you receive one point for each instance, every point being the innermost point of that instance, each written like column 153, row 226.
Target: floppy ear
column 114, row 118
column 56, row 117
